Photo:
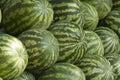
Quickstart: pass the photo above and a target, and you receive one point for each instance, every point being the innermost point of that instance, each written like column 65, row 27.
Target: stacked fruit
column 59, row 40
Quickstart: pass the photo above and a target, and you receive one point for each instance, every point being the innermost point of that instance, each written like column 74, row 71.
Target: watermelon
column 63, row 71
column 13, row 57
column 96, row 67
column 109, row 39
column 25, row 76
column 114, row 59
column 71, row 39
column 94, row 44
column 42, row 48
column 112, row 21
column 103, row 7
column 116, row 4
column 68, row 10
column 21, row 15
column 91, row 17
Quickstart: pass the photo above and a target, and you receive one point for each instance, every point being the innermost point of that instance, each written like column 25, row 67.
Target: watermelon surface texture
column 94, row 44
column 42, row 48
column 103, row 7
column 109, row 39
column 114, row 59
column 96, row 68
column 63, row 71
column 13, row 57
column 20, row 15
column 25, row 76
column 71, row 40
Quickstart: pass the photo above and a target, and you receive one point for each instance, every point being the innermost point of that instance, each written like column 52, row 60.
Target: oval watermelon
column 94, row 44
column 102, row 6
column 63, row 71
column 114, row 59
column 109, row 39
column 96, row 67
column 68, row 10
column 25, row 76
column 91, row 17
column 13, row 57
column 20, row 15
column 71, row 40
column 42, row 47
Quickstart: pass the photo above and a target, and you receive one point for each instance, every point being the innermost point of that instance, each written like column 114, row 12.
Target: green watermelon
column 42, row 47
column 68, row 10
column 109, row 39
column 96, row 67
column 114, row 59
column 25, row 76
column 13, row 57
column 20, row 15
column 91, row 17
column 71, row 40
column 116, row 4
column 63, row 71
column 112, row 21
column 102, row 6
column 94, row 44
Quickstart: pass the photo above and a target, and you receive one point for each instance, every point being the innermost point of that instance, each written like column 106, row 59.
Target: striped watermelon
column 96, row 67
column 63, row 71
column 109, row 39
column 71, row 40
column 42, row 47
column 91, row 17
column 116, row 4
column 114, row 59
column 112, row 21
column 25, row 76
column 68, row 10
column 13, row 57
column 20, row 15
column 94, row 43
column 103, row 6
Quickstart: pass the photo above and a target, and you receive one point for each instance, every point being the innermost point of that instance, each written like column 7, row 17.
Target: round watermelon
column 20, row 15
column 91, row 17
column 114, row 59
column 68, row 10
column 25, row 76
column 13, row 57
column 94, row 44
column 63, row 71
column 109, row 39
column 112, row 21
column 103, row 7
column 71, row 40
column 96, row 67
column 42, row 48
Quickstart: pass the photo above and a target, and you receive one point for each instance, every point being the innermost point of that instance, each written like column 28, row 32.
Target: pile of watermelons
column 59, row 40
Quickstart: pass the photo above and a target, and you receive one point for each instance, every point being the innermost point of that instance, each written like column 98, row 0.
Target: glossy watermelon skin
column 42, row 48
column 91, row 17
column 63, row 71
column 22, row 15
column 109, row 39
column 25, row 76
column 103, row 7
column 94, row 44
column 68, row 10
column 13, row 57
column 96, row 67
column 114, row 59
column 71, row 39
column 112, row 21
